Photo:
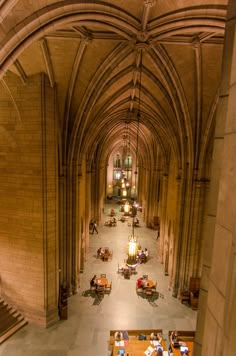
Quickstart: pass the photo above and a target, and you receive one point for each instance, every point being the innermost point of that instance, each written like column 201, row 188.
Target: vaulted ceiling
column 153, row 66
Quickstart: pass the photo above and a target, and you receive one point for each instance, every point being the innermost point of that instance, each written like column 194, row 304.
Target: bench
column 191, row 295
column 183, row 335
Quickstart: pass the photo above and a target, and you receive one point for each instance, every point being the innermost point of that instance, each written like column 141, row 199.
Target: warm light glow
column 136, row 204
column 132, row 247
column 126, row 207
column 124, row 193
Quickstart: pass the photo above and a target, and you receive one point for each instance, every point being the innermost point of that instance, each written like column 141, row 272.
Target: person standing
column 95, row 227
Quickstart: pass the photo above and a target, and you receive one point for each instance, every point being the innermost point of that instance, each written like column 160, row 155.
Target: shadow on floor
column 151, row 299
column 93, row 294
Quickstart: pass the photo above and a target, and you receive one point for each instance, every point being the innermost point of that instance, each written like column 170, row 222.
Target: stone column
column 163, row 229
column 216, row 323
column 195, row 243
column 175, row 271
column 87, row 207
column 68, row 213
column 76, row 253
column 62, row 228
column 101, row 191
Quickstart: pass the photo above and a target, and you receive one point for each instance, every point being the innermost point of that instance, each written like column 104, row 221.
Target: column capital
column 149, row 3
column 196, row 43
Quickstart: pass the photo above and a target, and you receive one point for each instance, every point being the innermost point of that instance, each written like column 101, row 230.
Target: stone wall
column 28, row 196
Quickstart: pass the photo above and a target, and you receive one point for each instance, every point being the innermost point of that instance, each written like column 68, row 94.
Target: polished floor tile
column 86, row 332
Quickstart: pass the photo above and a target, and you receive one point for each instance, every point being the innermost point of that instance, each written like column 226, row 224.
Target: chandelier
column 132, row 251
column 127, row 207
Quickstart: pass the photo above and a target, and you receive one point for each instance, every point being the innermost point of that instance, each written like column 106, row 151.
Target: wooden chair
column 103, row 275
column 184, row 296
column 191, row 294
column 108, row 288
column 155, row 286
column 126, row 273
column 148, row 292
column 142, row 259
column 194, row 289
column 100, row 291
column 120, row 269
column 92, row 288
column 106, row 257
column 133, row 270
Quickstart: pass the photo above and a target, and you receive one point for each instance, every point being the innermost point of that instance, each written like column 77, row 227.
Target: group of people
column 154, row 336
column 103, row 252
column 175, row 342
column 118, row 336
column 142, row 256
column 157, row 337
column 111, row 222
column 142, row 282
column 121, row 335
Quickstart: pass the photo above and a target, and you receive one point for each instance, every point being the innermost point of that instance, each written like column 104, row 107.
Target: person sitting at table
column 106, row 254
column 136, row 221
column 118, row 336
column 159, row 352
column 139, row 283
column 93, row 282
column 156, row 336
column 99, row 252
column 112, row 212
column 113, row 221
column 142, row 257
column 174, row 339
column 146, row 252
column 145, row 283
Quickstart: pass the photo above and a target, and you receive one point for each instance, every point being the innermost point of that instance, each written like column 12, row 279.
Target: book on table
column 156, row 343
column 149, row 351
column 120, row 343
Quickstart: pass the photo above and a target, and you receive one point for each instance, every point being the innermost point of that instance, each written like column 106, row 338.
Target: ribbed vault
column 111, row 61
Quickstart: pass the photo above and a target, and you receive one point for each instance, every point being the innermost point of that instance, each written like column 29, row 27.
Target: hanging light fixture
column 124, row 192
column 127, row 207
column 138, row 124
column 132, row 240
column 132, row 250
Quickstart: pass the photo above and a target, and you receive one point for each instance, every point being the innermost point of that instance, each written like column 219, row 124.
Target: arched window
column 117, row 161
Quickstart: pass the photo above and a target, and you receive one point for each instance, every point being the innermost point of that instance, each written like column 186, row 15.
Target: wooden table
column 150, row 284
column 136, row 347
column 102, row 281
column 189, row 344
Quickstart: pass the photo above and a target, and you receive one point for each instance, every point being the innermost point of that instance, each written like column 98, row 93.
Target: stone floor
column 86, row 332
